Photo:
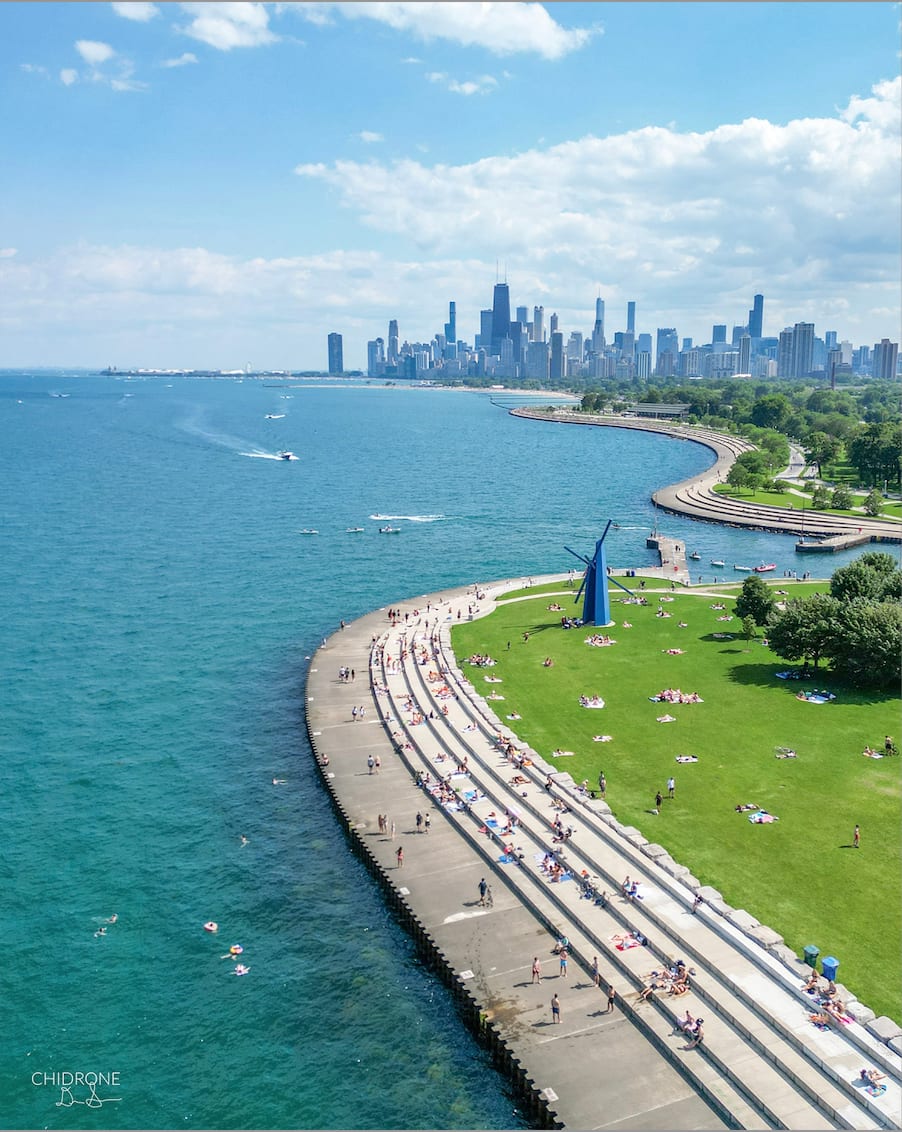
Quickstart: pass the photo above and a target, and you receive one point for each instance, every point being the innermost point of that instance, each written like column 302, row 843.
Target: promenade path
column 762, row 1064
column 696, row 499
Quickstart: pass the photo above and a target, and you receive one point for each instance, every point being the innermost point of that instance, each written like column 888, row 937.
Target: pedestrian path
column 761, row 1063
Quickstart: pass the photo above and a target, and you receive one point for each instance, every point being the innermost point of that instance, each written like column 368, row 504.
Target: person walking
column 555, row 1008
column 671, row 786
column 419, row 822
column 392, row 830
column 536, row 970
column 658, row 801
column 596, row 974
column 427, row 821
column 856, row 837
column 562, row 958
column 354, row 713
column 602, row 784
column 370, row 762
column 610, row 1008
column 400, row 856
column 483, row 888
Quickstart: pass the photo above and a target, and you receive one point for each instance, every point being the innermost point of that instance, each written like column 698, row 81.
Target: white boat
column 274, row 416
column 718, row 562
column 389, row 530
column 354, row 530
column 308, row 531
column 744, row 569
column 695, row 556
column 287, row 456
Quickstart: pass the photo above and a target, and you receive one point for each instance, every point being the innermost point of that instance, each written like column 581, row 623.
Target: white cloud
column 34, row 69
column 138, row 10
column 228, row 25
column 93, row 52
column 810, row 208
column 502, row 28
column 483, row 85
column 182, row 61
column 8, row 253
column 68, row 76
column 370, row 136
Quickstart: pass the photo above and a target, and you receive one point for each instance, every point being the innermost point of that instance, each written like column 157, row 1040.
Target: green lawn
column 799, row 875
column 790, row 501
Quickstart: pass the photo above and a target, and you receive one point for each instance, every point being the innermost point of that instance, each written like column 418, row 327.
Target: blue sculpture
column 597, row 602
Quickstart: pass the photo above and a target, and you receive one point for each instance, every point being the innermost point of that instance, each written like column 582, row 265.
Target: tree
column 820, row 500
column 741, row 478
column 841, row 499
column 821, row 449
column 749, row 628
column 771, row 411
column 755, row 600
column 873, row 504
column 807, row 629
column 873, row 577
column 867, row 650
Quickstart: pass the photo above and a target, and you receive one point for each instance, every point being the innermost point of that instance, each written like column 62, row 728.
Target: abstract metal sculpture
column 597, row 602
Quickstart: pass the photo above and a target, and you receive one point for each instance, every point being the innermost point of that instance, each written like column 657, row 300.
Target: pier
column 831, row 543
column 762, row 1064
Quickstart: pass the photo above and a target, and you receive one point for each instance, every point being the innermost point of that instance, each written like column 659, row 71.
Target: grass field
column 791, row 502
column 799, row 875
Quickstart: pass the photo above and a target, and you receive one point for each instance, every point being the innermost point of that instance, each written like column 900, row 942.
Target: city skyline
column 217, row 185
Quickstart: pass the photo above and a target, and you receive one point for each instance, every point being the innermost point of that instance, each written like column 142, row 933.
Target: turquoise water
column 160, row 606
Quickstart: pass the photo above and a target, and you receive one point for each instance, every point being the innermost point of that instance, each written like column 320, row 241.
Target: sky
column 217, row 185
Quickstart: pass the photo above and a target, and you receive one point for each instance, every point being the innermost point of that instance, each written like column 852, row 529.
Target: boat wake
column 193, row 425
column 411, row 518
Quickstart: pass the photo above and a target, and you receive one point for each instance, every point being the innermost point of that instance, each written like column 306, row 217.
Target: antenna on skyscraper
column 496, row 269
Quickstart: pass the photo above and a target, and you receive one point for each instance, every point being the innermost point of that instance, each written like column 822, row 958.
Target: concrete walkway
column 696, row 499
column 762, row 1064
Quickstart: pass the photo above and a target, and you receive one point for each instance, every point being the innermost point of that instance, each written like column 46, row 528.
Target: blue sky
column 209, row 184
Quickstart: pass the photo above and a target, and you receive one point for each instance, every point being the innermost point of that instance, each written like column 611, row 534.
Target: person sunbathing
column 871, row 1076
column 819, row 1019
column 811, row 986
column 680, row 987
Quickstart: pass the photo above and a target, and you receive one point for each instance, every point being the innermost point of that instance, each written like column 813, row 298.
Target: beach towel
column 687, row 758
column 602, row 738
column 876, row 1090
column 624, row 942
column 762, row 817
column 666, row 719
column 505, row 859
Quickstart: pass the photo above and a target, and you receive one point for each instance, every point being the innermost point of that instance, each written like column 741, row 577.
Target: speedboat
column 765, row 567
column 744, row 569
column 274, row 416
column 354, row 530
column 389, row 530
column 308, row 531
column 718, row 562
column 695, row 556
column 287, row 456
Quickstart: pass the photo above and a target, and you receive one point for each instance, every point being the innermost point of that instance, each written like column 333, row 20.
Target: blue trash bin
column 829, row 966
column 811, row 953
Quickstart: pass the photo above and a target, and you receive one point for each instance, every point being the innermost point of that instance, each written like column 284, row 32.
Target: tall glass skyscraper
column 336, row 354
column 501, row 316
column 756, row 317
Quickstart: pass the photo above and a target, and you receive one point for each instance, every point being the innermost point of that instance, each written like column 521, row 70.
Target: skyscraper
column 631, row 318
column 745, row 354
column 802, row 348
column 885, row 359
column 718, row 333
column 336, row 355
column 552, row 323
column 598, row 329
column 375, row 358
column 522, row 315
column 501, row 316
column 556, row 367
column 668, row 351
column 756, row 318
column 538, row 324
column 451, row 324
column 784, row 353
column 392, row 357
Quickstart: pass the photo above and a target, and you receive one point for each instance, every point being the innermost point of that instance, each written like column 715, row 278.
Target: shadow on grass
column 765, row 676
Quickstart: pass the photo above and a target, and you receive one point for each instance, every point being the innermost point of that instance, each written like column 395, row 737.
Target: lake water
column 160, row 606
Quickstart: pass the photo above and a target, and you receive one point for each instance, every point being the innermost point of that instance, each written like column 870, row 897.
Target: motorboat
column 718, row 562
column 744, row 569
column 695, row 556
column 354, row 530
column 765, row 567
column 308, row 531
column 287, row 456
column 274, row 416
column 389, row 530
